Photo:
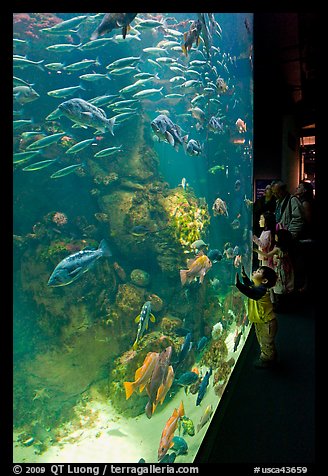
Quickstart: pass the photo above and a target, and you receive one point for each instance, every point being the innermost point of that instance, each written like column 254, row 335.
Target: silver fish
column 73, row 266
column 86, row 114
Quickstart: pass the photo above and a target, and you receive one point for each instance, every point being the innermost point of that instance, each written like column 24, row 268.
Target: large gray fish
column 86, row 114
column 165, row 129
column 73, row 266
column 111, row 21
column 24, row 94
column 194, row 147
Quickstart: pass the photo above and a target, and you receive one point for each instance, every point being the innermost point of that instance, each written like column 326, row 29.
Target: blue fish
column 185, row 348
column 143, row 319
column 187, row 378
column 201, row 344
column 73, row 266
column 179, row 445
column 203, row 386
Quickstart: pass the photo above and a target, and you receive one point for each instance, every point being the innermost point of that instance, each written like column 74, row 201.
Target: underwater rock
column 140, row 277
column 216, row 355
column 131, row 185
column 121, row 273
column 222, row 373
column 129, row 300
column 169, row 324
column 157, row 303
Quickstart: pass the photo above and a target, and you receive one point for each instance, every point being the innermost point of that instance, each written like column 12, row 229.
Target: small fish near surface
column 86, row 114
column 38, row 165
column 108, row 151
column 80, row 146
column 66, row 170
column 74, row 266
column 114, row 20
column 197, row 267
column 64, row 92
column 143, row 319
column 165, row 129
column 191, row 36
column 45, row 141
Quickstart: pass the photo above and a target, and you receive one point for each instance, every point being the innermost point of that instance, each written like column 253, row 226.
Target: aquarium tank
column 132, row 172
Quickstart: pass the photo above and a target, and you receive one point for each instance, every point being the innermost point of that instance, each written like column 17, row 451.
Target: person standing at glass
column 266, row 202
column 265, row 241
column 260, row 311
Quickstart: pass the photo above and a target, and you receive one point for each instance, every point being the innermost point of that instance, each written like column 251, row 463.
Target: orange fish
column 168, row 431
column 196, row 267
column 164, row 388
column 143, row 374
column 191, row 36
column 158, row 378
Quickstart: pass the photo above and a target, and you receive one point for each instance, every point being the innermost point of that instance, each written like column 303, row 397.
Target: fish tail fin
column 129, row 389
column 110, row 125
column 183, row 276
column 103, row 246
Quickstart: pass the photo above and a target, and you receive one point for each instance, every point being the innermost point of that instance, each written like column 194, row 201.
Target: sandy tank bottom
column 104, row 436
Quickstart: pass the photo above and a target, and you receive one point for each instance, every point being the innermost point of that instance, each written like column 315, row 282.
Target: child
column 283, row 266
column 260, row 311
column 265, row 242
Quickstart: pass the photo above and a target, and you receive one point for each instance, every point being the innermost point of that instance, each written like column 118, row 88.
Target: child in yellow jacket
column 260, row 311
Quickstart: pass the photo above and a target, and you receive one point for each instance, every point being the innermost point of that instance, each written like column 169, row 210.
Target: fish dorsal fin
column 138, row 373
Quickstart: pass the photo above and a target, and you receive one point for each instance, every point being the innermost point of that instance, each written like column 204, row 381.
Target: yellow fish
column 197, row 267
column 143, row 374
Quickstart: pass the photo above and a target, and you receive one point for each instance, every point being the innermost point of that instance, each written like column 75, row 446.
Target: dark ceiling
column 286, row 63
